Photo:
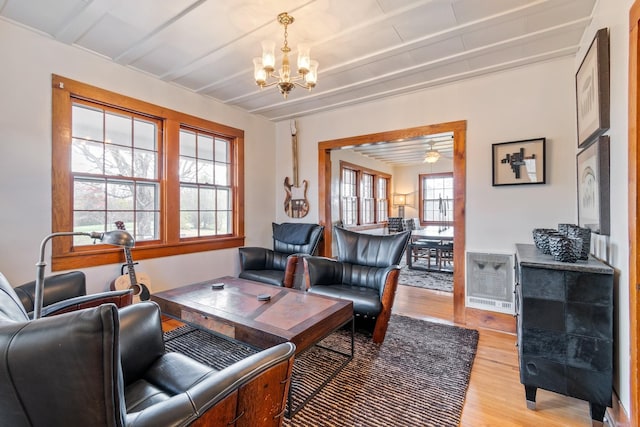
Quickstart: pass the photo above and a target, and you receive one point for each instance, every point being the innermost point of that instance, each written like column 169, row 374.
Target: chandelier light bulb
column 303, row 58
column 268, row 55
column 259, row 72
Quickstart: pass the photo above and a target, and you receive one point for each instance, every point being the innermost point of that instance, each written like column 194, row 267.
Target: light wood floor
column 495, row 396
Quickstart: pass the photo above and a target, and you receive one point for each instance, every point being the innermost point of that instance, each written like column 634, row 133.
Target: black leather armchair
column 366, row 272
column 107, row 367
column 68, row 292
column 277, row 266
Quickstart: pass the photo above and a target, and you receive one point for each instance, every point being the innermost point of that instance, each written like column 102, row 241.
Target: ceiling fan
column 431, row 156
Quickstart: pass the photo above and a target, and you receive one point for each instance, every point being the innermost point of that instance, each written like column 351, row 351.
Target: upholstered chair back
column 294, row 238
column 366, row 258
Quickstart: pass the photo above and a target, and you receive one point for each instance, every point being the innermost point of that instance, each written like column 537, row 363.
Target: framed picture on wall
column 593, row 186
column 592, row 90
column 519, row 162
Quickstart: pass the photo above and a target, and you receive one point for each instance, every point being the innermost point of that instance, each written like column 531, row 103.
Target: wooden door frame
column 634, row 209
column 459, row 129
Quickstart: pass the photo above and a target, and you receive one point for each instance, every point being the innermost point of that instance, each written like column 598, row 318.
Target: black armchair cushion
column 366, row 301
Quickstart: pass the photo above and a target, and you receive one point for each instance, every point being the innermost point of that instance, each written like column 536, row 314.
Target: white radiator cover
column 490, row 282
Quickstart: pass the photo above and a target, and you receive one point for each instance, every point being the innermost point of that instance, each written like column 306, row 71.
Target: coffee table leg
column 292, row 411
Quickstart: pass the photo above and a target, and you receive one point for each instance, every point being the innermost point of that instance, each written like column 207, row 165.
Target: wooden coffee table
column 235, row 310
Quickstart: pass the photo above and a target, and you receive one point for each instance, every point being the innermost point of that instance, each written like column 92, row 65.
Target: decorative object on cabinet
column 584, row 234
column 593, row 186
column 563, row 249
column 519, row 162
column 592, row 90
column 565, row 328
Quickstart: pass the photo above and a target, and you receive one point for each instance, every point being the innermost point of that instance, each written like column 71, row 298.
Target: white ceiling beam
column 82, row 21
column 146, row 44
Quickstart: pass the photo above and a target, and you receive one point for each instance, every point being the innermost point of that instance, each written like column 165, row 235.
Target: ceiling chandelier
column 264, row 68
column 432, row 155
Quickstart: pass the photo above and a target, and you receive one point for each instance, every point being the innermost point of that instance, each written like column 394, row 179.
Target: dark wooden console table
column 565, row 328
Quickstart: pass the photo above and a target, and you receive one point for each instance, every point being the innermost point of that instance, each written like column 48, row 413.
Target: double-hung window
column 436, row 198
column 364, row 195
column 174, row 181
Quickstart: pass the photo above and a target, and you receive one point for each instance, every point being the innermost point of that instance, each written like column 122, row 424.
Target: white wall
column 28, row 60
column 614, row 14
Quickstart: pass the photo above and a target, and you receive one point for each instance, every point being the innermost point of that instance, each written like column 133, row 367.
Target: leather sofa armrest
column 207, row 399
column 119, row 298
column 253, row 258
column 141, row 339
column 321, row 271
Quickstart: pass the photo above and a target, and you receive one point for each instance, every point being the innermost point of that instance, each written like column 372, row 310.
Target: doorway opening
column 325, row 196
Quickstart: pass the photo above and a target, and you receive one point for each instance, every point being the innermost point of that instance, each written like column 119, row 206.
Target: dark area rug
column 418, row 377
column 433, row 280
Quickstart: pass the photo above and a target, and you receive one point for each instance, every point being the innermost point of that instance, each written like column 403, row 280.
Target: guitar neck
column 294, row 146
column 130, row 269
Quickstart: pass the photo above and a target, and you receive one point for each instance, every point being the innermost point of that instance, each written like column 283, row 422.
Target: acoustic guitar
column 140, row 283
column 296, row 204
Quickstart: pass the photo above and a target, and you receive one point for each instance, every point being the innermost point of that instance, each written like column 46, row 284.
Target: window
column 205, row 185
column 349, row 197
column 172, row 180
column 114, row 158
column 367, row 198
column 382, row 200
column 436, row 199
column 363, row 195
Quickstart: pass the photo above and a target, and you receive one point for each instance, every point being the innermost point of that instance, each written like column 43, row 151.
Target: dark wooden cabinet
column 565, row 327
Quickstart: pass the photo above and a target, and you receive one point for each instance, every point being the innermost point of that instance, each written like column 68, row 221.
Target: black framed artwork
column 592, row 90
column 519, row 162
column 593, row 186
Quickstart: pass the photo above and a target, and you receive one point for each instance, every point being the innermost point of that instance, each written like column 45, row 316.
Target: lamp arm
column 40, row 267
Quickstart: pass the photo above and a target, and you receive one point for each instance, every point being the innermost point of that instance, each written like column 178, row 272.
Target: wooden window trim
column 64, row 255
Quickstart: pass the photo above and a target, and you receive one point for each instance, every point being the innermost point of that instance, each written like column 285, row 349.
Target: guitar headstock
column 120, row 225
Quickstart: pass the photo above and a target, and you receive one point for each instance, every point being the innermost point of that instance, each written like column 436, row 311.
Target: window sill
column 83, row 259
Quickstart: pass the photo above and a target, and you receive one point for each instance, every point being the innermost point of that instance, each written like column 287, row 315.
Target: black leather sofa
column 277, row 266
column 365, row 272
column 107, row 367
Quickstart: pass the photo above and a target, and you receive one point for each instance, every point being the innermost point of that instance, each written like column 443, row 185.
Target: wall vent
column 490, row 282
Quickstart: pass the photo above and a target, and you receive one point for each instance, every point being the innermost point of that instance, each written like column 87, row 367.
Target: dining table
column 432, row 242
column 433, row 232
